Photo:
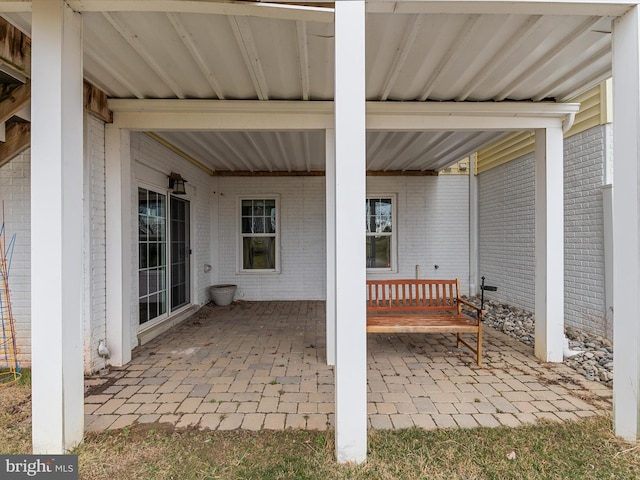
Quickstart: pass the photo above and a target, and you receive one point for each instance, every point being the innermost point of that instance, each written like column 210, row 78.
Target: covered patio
column 248, row 91
column 261, row 365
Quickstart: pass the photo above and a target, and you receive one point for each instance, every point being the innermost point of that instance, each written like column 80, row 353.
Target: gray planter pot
column 222, row 295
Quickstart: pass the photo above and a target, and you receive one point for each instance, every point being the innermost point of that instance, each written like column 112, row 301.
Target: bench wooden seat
column 422, row 306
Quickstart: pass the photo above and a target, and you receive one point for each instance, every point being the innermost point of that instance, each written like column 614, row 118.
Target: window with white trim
column 380, row 232
column 259, row 237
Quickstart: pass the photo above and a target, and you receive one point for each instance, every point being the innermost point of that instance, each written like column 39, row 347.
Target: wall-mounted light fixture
column 176, row 183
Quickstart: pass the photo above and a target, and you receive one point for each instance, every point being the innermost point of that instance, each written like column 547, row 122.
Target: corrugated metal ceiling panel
column 287, row 151
column 409, row 57
column 304, row 151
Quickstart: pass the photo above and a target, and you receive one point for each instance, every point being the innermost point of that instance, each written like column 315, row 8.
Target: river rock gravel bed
column 595, row 362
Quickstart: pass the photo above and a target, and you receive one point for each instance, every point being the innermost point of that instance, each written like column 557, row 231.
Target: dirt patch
column 15, row 419
column 99, row 388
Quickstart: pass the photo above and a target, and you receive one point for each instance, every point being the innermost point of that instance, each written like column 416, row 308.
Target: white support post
column 626, row 224
column 549, row 244
column 350, row 138
column 118, row 243
column 56, row 228
column 474, row 234
column 330, row 188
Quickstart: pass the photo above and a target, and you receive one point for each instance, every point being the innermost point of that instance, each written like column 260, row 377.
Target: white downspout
column 567, row 352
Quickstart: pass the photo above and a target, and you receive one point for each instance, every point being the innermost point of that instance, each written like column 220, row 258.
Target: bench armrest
column 471, row 305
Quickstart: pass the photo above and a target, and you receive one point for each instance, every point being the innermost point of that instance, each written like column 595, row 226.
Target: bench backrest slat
column 387, row 296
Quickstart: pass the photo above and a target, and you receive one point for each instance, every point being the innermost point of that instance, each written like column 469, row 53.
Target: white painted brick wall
column 15, row 178
column 506, row 231
column 584, row 231
column 302, row 238
column 432, row 228
column 151, row 164
column 95, row 243
column 506, row 247
column 433, row 225
column 15, row 192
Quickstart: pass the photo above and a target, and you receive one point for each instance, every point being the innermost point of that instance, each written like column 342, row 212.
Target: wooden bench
column 422, row 306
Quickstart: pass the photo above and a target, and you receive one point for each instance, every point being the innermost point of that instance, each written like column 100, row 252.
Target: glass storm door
column 180, row 252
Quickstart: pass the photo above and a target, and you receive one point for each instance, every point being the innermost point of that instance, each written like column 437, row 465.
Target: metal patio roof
column 270, row 52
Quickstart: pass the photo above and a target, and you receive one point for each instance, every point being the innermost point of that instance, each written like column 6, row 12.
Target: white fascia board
column 466, row 115
column 502, row 7
column 221, row 115
column 291, row 115
column 459, row 122
column 478, row 109
column 219, row 106
column 166, row 121
column 326, row 15
column 216, row 7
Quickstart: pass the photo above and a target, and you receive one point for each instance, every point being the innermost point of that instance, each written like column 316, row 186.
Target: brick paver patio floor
column 261, row 365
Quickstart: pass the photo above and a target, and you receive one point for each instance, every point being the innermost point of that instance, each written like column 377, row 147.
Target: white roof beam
column 244, row 38
column 552, row 54
column 303, row 58
column 512, row 44
column 570, row 74
column 448, row 58
column 502, row 7
column 214, row 7
column 408, row 40
column 326, row 15
column 187, row 40
column 99, row 60
column 466, row 115
column 135, row 43
column 257, row 119
column 150, row 114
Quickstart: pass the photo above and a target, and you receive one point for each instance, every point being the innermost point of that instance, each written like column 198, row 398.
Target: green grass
column 577, row 450
column 586, row 449
column 25, row 377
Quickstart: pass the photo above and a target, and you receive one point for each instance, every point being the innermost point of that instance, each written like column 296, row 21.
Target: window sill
column 258, row 272
column 382, row 270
